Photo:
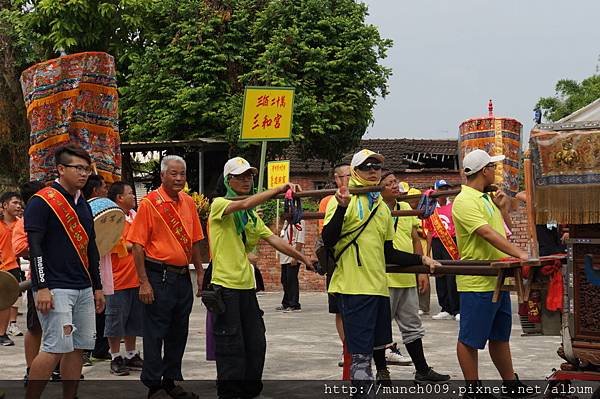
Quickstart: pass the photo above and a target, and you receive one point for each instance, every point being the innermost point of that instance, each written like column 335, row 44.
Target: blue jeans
column 74, row 308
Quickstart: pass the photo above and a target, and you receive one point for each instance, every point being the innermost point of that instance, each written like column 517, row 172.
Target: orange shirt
column 19, row 237
column 150, row 231
column 8, row 260
column 124, row 273
column 323, row 209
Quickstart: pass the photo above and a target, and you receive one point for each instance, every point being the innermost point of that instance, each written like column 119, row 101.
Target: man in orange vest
column 165, row 235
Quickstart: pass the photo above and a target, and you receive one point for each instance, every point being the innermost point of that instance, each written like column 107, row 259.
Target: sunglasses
column 369, row 166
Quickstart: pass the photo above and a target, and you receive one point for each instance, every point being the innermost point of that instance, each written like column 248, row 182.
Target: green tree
column 570, row 96
column 16, row 52
column 189, row 80
column 183, row 64
column 32, row 31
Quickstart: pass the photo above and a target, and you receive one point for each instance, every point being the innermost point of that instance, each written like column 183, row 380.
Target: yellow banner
column 278, row 173
column 267, row 113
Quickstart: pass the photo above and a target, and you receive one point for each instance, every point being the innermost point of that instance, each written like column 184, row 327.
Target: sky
column 451, row 56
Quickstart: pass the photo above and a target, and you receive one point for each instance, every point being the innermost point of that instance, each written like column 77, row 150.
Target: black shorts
column 33, row 323
column 331, row 299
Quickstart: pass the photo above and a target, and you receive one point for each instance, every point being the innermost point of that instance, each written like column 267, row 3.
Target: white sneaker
column 13, row 330
column 393, row 356
column 442, row 316
column 457, row 317
column 421, row 313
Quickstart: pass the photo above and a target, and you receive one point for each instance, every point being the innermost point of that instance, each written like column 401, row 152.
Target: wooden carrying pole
column 321, row 215
column 357, row 190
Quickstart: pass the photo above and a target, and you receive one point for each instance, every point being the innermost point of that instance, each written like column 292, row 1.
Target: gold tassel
column 568, row 204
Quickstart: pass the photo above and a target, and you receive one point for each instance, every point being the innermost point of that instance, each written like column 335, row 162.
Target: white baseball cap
column 474, row 161
column 237, row 166
column 363, row 155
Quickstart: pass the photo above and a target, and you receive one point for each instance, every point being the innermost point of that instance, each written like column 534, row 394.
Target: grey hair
column 165, row 161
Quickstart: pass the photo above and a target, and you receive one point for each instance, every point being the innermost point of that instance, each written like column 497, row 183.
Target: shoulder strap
column 396, row 208
column 359, row 230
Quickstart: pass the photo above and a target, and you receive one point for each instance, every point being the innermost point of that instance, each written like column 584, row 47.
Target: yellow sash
column 172, row 219
column 444, row 236
column 68, row 218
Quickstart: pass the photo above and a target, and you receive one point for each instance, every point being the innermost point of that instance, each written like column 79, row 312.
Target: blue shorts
column 124, row 314
column 482, row 320
column 74, row 309
column 367, row 321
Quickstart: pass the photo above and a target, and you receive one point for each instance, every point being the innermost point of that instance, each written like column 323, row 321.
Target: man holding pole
column 360, row 230
column 239, row 329
column 480, row 235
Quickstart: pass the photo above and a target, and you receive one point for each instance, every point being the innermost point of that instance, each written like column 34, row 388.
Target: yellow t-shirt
column 403, row 242
column 369, row 278
column 230, row 265
column 471, row 210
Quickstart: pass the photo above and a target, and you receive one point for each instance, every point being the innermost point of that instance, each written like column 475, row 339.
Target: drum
column 9, row 287
column 109, row 221
column 495, row 136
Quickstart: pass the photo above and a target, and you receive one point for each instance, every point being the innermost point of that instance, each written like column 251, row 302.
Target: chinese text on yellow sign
column 278, row 173
column 267, row 113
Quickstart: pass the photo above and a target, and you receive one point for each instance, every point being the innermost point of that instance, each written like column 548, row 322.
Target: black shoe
column 476, row 390
column 430, row 377
column 135, row 363
column 117, row 367
column 383, row 378
column 179, row 393
column 160, row 394
column 87, row 361
column 5, row 341
column 55, row 377
column 516, row 389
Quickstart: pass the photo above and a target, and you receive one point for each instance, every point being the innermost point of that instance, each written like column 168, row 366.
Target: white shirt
column 297, row 237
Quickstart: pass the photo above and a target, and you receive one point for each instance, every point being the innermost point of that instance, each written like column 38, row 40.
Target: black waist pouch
column 212, row 298
column 212, row 295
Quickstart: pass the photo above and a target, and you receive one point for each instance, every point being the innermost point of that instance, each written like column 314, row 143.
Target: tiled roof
column 399, row 154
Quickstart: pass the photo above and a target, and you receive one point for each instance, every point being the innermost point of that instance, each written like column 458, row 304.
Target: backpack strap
column 353, row 241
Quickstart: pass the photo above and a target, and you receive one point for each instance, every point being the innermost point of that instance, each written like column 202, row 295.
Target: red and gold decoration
column 496, row 136
column 73, row 99
column 566, row 168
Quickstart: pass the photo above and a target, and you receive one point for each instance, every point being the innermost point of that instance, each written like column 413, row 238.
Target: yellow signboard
column 278, row 173
column 267, row 113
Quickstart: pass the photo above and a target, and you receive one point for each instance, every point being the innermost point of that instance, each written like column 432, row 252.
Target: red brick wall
column 271, row 270
column 309, row 281
column 519, row 228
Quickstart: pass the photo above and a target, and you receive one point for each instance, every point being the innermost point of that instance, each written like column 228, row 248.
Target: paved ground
column 304, row 346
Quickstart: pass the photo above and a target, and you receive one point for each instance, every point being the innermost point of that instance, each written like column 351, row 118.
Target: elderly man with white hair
column 165, row 235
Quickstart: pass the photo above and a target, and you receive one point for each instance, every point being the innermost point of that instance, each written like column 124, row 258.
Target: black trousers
column 101, row 348
column 240, row 345
column 445, row 286
column 291, row 286
column 166, row 324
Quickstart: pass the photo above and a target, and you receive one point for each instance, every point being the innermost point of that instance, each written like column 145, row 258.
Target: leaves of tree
column 570, row 96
